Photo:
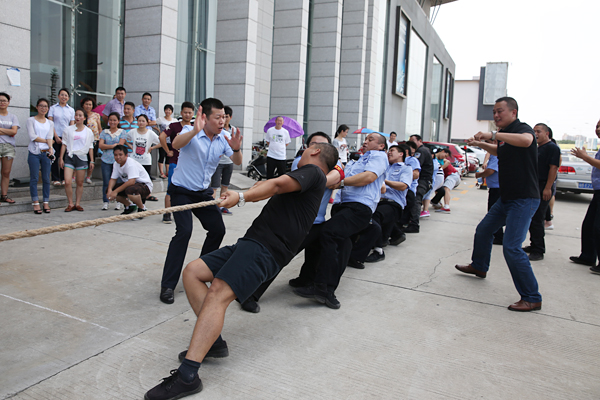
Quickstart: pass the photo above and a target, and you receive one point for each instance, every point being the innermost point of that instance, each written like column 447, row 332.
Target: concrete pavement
column 81, row 318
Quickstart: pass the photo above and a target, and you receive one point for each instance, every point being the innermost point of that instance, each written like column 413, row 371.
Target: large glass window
column 196, row 44
column 436, row 98
column 417, row 65
column 77, row 45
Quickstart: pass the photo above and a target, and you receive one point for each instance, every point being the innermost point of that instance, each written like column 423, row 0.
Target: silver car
column 574, row 175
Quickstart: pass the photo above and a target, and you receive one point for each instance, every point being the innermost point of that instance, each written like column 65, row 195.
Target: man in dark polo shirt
column 425, row 180
column 519, row 199
column 237, row 271
column 548, row 161
column 166, row 139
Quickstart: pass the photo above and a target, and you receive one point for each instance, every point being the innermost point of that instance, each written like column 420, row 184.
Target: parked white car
column 574, row 175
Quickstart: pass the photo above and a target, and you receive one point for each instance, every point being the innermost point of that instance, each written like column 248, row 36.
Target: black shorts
column 244, row 266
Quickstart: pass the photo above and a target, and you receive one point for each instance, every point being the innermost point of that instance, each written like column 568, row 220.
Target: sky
column 553, row 51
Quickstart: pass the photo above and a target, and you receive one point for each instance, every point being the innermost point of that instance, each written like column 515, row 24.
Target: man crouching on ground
column 237, row 271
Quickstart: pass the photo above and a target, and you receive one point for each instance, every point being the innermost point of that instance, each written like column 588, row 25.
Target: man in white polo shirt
column 277, row 138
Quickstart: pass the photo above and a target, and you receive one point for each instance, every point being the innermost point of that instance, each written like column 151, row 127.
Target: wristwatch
column 241, row 201
column 494, row 135
column 342, row 183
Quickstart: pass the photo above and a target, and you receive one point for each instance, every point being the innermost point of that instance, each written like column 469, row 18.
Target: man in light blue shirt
column 491, row 179
column 350, row 214
column 398, row 178
column 199, row 148
column 146, row 109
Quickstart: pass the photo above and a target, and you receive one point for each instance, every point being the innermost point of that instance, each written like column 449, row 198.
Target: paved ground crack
column 435, row 267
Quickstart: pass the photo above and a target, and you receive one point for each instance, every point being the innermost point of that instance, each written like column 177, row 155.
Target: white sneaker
column 88, row 180
column 436, row 206
column 550, row 227
column 105, row 206
column 118, row 206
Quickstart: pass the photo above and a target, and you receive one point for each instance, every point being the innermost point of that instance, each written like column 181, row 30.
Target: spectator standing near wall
column 9, row 125
column 62, row 115
column 117, row 104
column 277, row 138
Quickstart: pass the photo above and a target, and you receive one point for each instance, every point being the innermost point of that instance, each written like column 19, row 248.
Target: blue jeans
column 35, row 161
column 106, row 173
column 516, row 215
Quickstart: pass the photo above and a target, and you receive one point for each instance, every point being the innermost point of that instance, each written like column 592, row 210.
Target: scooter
column 257, row 168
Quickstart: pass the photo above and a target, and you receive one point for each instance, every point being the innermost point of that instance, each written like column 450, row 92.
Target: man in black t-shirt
column 548, row 162
column 236, row 271
column 519, row 199
column 425, row 180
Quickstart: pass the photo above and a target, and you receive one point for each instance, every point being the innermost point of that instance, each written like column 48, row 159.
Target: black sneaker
column 140, row 214
column 131, row 209
column 251, row 305
column 167, row 218
column 173, row 387
column 355, row 263
column 395, row 241
column 411, row 229
column 167, row 295
column 595, row 270
column 579, row 260
column 527, row 249
column 218, row 350
column 536, row 256
column 323, row 296
column 375, row 257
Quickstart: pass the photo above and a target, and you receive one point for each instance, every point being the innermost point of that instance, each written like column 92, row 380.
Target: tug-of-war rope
column 102, row 221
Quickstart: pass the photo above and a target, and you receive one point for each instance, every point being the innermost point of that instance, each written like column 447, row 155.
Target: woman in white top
column 9, row 124
column 163, row 123
column 340, row 143
column 144, row 141
column 77, row 146
column 41, row 132
column 63, row 116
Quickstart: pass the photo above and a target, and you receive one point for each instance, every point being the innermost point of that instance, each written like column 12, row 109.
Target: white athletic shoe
column 105, row 206
column 118, row 206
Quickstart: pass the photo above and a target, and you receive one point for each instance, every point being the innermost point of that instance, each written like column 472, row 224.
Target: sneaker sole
column 220, row 353
column 181, row 395
column 323, row 300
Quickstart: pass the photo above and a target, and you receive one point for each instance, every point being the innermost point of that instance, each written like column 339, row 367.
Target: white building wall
column 464, row 112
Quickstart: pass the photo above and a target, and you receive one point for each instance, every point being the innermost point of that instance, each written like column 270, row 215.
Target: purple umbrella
column 292, row 126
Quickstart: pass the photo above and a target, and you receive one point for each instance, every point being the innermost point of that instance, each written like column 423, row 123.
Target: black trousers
column 439, row 195
column 211, row 220
column 590, row 230
column 493, row 196
column 57, row 173
column 536, row 228
column 410, row 203
column 347, row 219
column 272, row 165
column 365, row 240
column 415, row 211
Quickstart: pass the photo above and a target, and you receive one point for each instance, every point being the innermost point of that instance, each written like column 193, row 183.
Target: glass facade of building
column 77, row 45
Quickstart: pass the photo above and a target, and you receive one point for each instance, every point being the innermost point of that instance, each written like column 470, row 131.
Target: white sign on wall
column 496, row 77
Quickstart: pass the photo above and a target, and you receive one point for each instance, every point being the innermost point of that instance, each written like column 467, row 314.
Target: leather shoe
column 527, row 249
column 355, row 263
column 595, row 270
column 579, row 260
column 166, row 295
column 468, row 269
column 524, row 306
column 536, row 256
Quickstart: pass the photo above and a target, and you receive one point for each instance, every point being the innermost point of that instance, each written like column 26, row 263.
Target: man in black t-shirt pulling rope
column 237, row 271
column 519, row 199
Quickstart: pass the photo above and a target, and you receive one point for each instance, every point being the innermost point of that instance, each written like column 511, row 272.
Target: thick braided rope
column 102, row 221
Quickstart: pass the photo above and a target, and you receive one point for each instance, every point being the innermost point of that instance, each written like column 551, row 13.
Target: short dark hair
column 510, row 102
column 546, row 128
column 411, row 144
column 228, row 111
column 146, row 94
column 393, row 133
column 405, row 148
column 168, row 107
column 129, row 103
column 121, row 147
column 65, row 90
column 143, row 115
column 188, row 104
column 382, row 140
column 209, row 104
column 116, row 114
column 5, row 95
column 323, row 134
column 419, row 137
column 446, row 150
column 340, row 129
column 42, row 99
column 329, row 155
column 85, row 100
column 120, row 88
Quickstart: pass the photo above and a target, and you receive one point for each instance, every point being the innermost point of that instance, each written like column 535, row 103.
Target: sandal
column 56, row 183
column 163, row 176
column 5, row 199
column 46, row 210
column 151, row 198
column 38, row 212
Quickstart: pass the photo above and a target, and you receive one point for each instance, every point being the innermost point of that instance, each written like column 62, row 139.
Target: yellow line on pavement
column 464, row 191
column 455, row 198
column 471, row 186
